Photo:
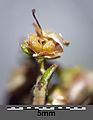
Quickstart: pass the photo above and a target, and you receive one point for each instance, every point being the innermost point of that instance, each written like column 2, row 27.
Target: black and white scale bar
column 13, row 108
column 45, row 108
column 78, row 108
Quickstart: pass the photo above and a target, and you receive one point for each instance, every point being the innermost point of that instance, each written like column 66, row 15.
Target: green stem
column 40, row 61
column 40, row 88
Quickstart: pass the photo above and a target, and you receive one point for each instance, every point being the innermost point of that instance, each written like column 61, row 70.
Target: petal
column 57, row 38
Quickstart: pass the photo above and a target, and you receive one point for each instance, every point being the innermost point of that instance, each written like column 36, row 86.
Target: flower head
column 43, row 43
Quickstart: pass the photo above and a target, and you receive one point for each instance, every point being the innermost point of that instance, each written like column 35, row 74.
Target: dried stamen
column 33, row 13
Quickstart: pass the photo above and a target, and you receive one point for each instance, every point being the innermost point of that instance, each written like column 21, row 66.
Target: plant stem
column 39, row 92
column 41, row 65
column 40, row 89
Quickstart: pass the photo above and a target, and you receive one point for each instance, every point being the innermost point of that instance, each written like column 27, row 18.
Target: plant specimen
column 43, row 45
